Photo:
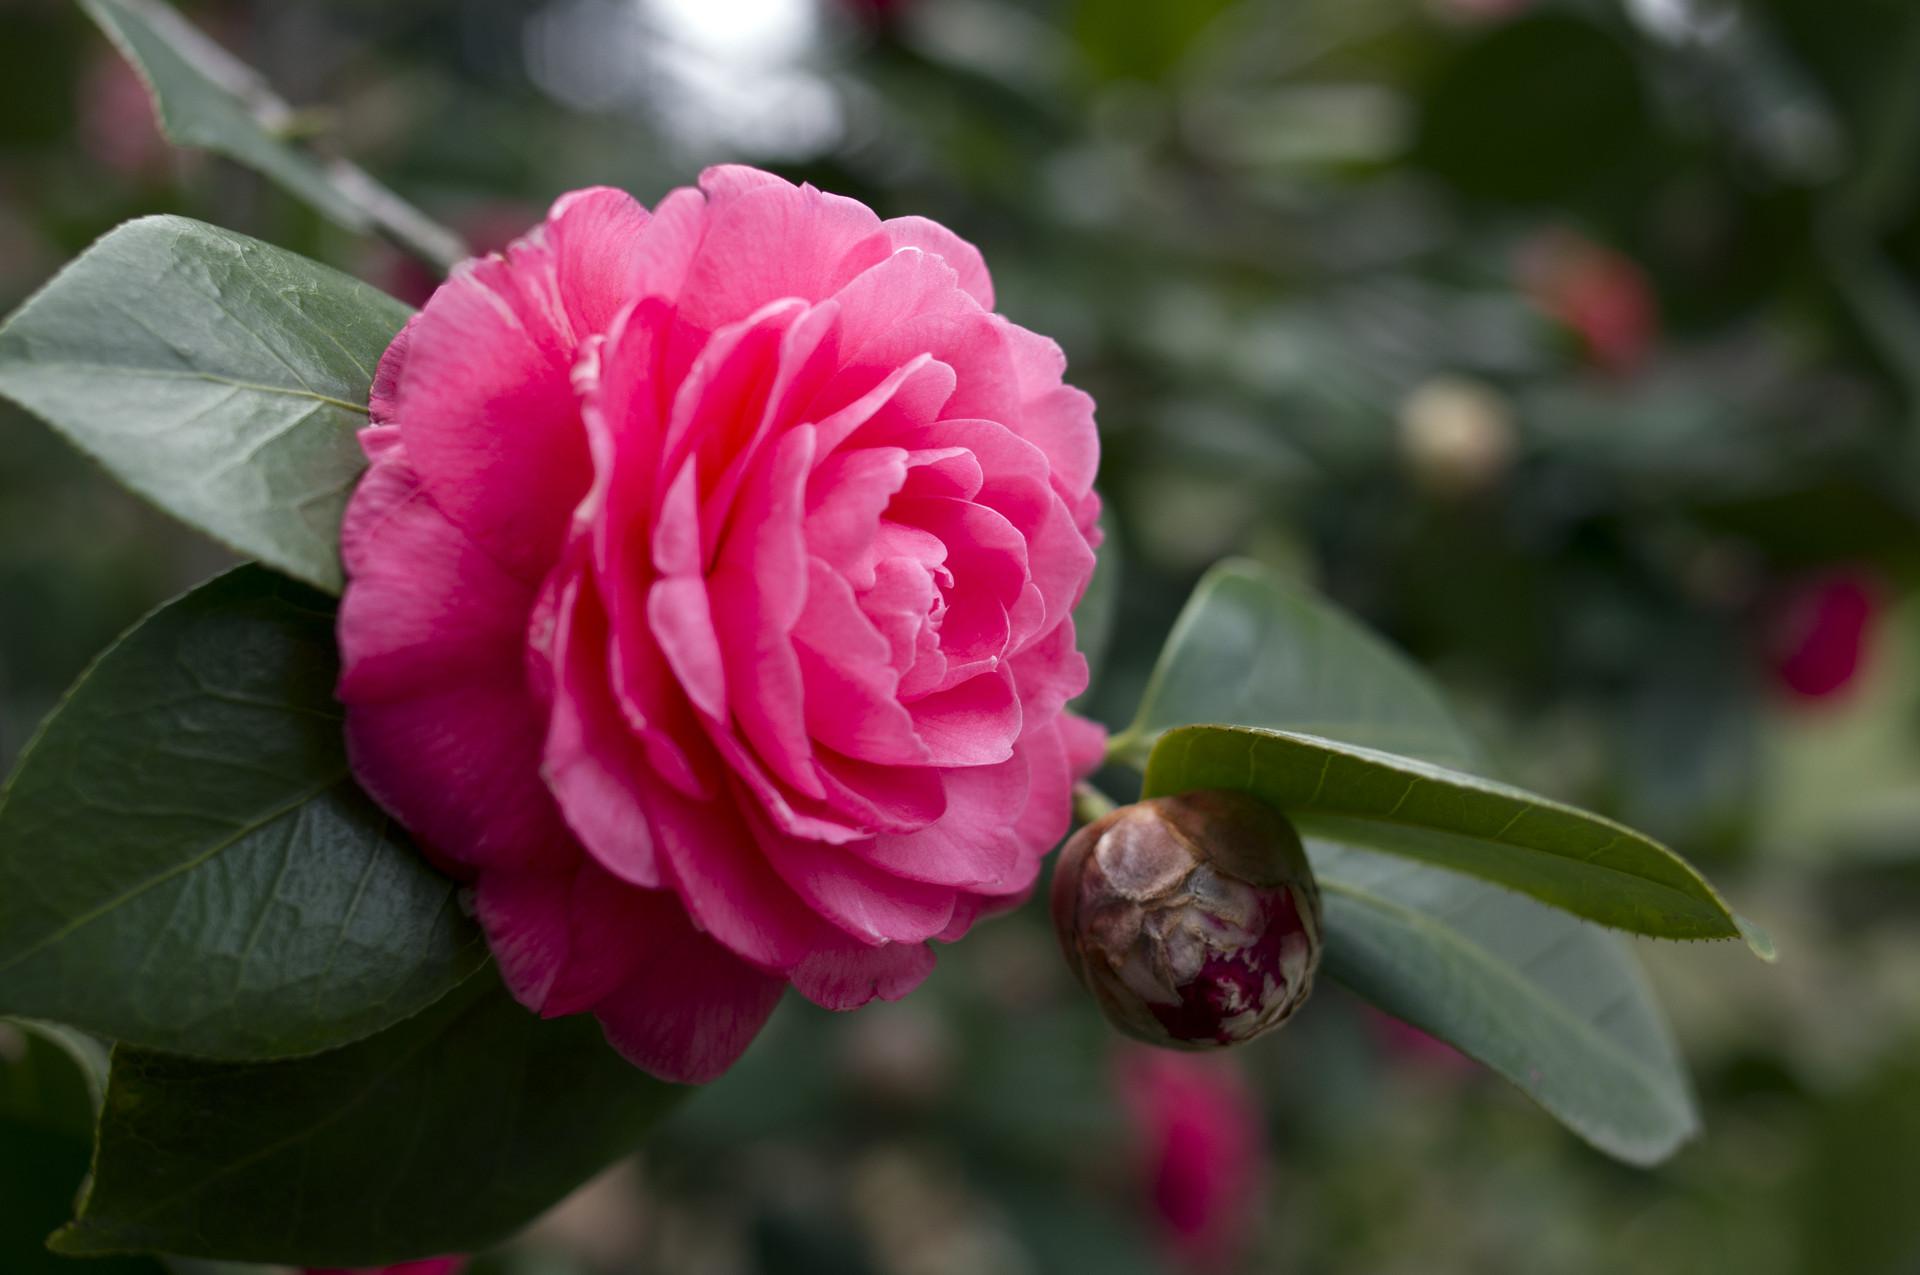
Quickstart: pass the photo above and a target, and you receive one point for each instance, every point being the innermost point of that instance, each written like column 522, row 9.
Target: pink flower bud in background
column 1820, row 631
column 425, row 1266
column 1194, row 920
column 877, row 12
column 1408, row 1045
column 1200, row 1135
column 1601, row 295
column 115, row 119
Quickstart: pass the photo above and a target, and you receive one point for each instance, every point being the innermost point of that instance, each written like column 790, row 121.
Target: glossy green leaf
column 207, row 98
column 1253, row 649
column 443, row 1134
column 1303, row 706
column 1587, row 865
column 185, row 862
column 219, row 377
column 1558, row 1007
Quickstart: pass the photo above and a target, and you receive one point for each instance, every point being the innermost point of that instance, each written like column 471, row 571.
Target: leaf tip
column 1758, row 941
column 70, row 1241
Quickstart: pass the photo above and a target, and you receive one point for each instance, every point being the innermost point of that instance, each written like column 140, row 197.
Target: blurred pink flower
column 115, row 118
column 709, row 605
column 877, row 12
column 1481, row 10
column 425, row 1266
column 1201, row 1134
column 1820, row 631
column 1406, row 1043
column 1600, row 294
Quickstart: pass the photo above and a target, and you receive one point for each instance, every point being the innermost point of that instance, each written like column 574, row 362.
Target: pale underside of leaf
column 52, row 1078
column 1555, row 1005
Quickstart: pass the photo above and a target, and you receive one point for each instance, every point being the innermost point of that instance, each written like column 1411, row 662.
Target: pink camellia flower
column 709, row 605
column 1820, row 630
column 114, row 119
column 1203, row 1151
column 426, row 1266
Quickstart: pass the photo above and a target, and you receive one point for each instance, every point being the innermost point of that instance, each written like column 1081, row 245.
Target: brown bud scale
column 1194, row 920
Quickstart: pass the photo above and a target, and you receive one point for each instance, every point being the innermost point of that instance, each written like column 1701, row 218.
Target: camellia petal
column 851, row 977
column 692, row 1007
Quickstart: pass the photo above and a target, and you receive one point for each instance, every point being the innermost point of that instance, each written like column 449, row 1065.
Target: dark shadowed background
column 1575, row 344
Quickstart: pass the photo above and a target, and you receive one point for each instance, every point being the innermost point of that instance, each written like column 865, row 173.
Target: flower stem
column 1129, row 748
column 1089, row 803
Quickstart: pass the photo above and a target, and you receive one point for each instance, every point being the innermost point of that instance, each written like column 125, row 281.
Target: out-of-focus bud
column 1603, row 296
column 1201, row 1136
column 115, row 121
column 1194, row 920
column 1414, row 1049
column 425, row 1266
column 1457, row 436
column 1819, row 631
column 878, row 12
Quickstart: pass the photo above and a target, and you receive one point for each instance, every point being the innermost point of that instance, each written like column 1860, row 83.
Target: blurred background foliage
column 1575, row 344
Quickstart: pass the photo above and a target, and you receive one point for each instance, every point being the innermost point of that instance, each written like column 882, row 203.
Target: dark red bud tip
column 1194, row 920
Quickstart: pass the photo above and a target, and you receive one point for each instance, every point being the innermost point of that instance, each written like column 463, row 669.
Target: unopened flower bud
column 1457, row 436
column 1194, row 920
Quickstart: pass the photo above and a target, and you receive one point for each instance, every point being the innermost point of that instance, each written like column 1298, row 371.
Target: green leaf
column 1558, row 1007
column 49, row 1089
column 185, row 862
column 1252, row 649
column 443, row 1134
column 1580, row 862
column 50, row 1076
column 207, row 98
column 219, row 377
column 1328, row 724
column 1555, row 1005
